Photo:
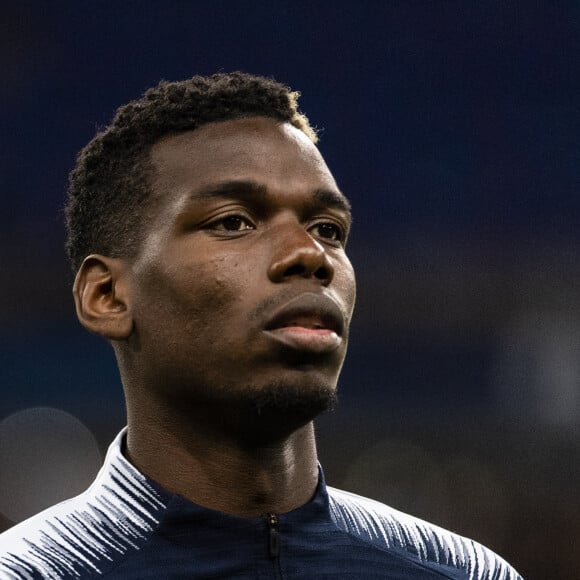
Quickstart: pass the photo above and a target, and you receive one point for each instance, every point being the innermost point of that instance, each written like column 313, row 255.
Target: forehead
column 258, row 149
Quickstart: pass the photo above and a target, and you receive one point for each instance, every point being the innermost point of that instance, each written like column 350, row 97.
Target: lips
column 311, row 311
column 309, row 322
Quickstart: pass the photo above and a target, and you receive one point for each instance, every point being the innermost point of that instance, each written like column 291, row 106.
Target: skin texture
column 245, row 238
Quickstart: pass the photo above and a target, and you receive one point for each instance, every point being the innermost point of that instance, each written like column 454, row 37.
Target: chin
column 292, row 403
column 259, row 410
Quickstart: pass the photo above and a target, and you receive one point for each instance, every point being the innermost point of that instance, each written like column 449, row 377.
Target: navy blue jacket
column 125, row 526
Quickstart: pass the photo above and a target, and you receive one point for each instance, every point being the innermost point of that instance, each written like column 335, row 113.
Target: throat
column 219, row 475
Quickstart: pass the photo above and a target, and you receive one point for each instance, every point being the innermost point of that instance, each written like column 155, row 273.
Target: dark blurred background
column 454, row 127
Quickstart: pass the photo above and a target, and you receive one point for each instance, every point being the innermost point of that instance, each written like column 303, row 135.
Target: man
column 208, row 236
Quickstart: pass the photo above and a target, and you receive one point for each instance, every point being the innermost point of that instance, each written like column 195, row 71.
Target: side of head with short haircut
column 110, row 186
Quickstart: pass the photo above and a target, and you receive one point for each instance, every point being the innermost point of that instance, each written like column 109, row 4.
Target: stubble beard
column 276, row 410
column 267, row 411
column 250, row 412
column 291, row 400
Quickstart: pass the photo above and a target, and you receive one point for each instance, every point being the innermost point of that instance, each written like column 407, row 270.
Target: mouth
column 310, row 323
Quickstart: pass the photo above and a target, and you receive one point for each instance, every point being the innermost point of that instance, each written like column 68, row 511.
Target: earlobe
column 101, row 294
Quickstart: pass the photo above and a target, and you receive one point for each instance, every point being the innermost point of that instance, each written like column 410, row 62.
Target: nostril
column 295, row 270
column 322, row 273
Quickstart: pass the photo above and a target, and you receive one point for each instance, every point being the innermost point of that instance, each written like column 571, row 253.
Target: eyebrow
column 242, row 188
column 335, row 199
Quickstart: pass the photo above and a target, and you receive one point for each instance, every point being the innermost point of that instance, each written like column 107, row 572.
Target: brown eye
column 234, row 223
column 328, row 231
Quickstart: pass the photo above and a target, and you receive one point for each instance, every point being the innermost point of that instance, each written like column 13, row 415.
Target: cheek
column 189, row 295
column 208, row 292
column 345, row 282
column 221, row 282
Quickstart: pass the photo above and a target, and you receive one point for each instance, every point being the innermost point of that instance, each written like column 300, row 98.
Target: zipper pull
column 273, row 535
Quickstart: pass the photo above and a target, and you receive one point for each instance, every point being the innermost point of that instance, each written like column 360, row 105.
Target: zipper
column 273, row 535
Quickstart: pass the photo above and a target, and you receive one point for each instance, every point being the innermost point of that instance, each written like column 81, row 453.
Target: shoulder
column 49, row 544
column 430, row 545
column 88, row 534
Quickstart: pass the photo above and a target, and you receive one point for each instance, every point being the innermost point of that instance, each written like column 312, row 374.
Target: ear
column 101, row 294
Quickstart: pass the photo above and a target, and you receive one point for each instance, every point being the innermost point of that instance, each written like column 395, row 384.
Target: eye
column 328, row 231
column 232, row 223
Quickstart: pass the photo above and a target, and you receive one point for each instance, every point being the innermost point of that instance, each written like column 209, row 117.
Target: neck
column 243, row 476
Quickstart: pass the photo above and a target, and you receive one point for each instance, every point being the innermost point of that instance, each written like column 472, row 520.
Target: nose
column 299, row 255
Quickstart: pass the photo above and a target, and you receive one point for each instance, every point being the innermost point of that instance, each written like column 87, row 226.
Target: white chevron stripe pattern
column 120, row 511
column 377, row 522
column 116, row 514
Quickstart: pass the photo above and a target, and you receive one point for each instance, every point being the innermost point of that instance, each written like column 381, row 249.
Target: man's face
column 242, row 290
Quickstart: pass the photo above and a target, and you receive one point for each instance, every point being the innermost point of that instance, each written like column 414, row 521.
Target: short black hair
column 110, row 185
